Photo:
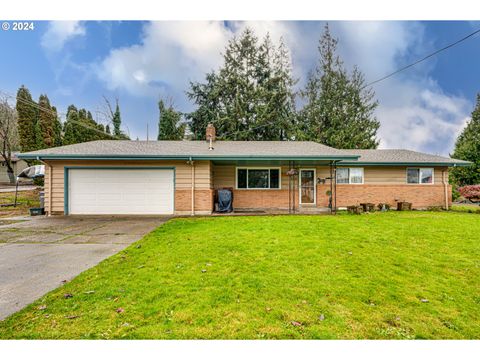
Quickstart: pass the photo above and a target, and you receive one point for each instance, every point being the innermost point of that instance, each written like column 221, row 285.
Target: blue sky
column 423, row 108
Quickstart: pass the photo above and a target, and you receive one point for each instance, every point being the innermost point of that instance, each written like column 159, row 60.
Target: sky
column 74, row 62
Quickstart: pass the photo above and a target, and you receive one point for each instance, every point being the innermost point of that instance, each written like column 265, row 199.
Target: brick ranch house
column 180, row 177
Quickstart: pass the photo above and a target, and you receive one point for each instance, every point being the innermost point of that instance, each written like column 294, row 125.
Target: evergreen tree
column 250, row 97
column 39, row 143
column 72, row 131
column 467, row 147
column 107, row 129
column 57, row 129
column 117, row 121
column 46, row 121
column 169, row 127
column 338, row 110
column 81, row 127
column 27, row 119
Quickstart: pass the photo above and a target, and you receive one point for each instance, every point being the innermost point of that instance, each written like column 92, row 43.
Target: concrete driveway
column 37, row 255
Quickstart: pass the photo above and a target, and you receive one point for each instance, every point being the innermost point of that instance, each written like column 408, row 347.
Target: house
column 18, row 166
column 180, row 177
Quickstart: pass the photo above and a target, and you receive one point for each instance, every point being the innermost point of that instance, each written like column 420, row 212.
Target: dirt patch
column 25, row 201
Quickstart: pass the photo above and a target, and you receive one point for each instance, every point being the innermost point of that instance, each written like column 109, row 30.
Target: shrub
column 470, row 192
column 455, row 194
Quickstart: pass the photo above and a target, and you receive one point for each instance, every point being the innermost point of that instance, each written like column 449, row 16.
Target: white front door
column 308, row 188
column 120, row 191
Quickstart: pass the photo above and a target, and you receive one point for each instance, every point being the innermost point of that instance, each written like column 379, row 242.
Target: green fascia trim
column 452, row 164
column 153, row 157
column 65, row 178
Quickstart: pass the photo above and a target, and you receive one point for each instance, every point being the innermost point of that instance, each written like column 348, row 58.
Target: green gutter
column 181, row 157
column 359, row 163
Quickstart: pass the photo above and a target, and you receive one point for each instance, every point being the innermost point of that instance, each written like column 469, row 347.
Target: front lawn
column 470, row 208
column 390, row 275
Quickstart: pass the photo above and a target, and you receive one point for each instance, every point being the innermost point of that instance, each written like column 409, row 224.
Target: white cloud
column 173, row 53
column 59, row 32
column 170, row 55
column 414, row 111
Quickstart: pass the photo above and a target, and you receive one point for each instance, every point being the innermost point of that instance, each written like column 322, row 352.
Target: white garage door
column 122, row 191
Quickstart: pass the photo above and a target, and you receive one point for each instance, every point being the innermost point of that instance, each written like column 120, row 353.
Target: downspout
column 335, row 186
column 50, row 186
column 445, row 187
column 330, row 200
column 192, row 163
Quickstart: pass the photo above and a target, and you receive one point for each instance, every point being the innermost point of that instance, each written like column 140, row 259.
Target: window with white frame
column 258, row 178
column 420, row 176
column 349, row 175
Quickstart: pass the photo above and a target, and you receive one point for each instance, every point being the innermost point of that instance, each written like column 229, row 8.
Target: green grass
column 469, row 208
column 277, row 277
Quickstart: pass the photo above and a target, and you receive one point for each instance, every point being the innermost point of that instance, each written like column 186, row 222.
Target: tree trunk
column 10, row 171
column 11, row 176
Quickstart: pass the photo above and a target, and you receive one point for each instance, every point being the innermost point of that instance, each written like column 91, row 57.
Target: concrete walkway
column 11, row 188
column 38, row 254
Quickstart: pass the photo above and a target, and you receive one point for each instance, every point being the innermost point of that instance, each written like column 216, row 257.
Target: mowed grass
column 409, row 275
column 470, row 208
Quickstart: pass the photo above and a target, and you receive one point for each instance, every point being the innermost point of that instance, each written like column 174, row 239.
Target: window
column 420, row 176
column 356, row 175
column 258, row 178
column 349, row 175
column 342, row 176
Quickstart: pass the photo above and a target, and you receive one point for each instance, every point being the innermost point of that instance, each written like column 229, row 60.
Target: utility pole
column 147, row 131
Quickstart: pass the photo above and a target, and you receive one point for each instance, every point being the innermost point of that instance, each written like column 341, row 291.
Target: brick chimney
column 210, row 132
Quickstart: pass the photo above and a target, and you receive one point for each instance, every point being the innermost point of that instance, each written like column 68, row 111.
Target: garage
column 119, row 191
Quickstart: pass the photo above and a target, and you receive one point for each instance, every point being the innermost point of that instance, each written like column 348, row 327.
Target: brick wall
column 421, row 196
column 203, row 200
column 257, row 199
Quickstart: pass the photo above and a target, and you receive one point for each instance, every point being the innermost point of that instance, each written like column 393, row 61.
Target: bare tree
column 108, row 114
column 9, row 140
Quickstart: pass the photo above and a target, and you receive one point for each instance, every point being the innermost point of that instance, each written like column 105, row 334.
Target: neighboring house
column 180, row 177
column 18, row 166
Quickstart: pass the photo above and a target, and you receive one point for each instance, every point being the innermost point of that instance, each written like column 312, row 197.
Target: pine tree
column 338, row 110
column 277, row 104
column 250, row 97
column 46, row 121
column 27, row 119
column 169, row 126
column 467, row 147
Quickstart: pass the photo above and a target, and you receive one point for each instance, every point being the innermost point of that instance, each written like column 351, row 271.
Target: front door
column 307, row 186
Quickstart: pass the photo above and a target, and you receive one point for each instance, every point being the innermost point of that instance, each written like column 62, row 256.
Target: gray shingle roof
column 237, row 149
column 118, row 148
column 392, row 156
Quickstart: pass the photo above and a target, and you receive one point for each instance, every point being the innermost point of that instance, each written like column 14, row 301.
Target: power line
column 381, row 79
column 39, row 107
column 424, row 58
